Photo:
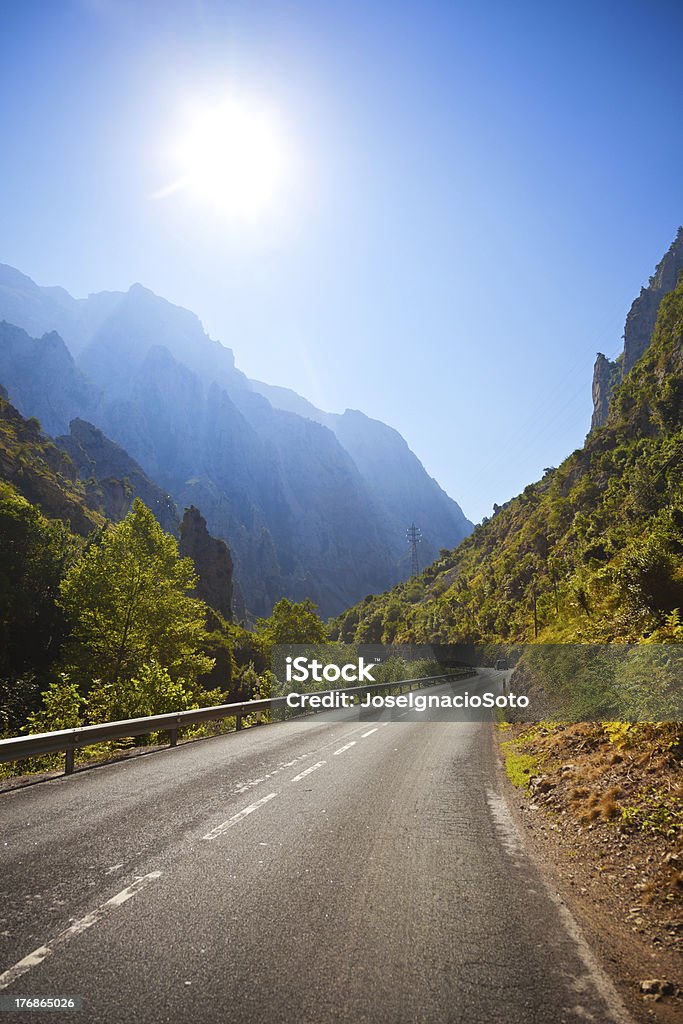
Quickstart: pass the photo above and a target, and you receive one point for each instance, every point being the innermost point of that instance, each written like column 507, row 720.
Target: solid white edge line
column 514, row 841
column 345, row 747
column 369, row 732
column 82, row 925
column 225, row 825
column 307, row 771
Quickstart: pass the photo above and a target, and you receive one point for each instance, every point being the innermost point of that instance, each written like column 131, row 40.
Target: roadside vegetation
column 106, row 628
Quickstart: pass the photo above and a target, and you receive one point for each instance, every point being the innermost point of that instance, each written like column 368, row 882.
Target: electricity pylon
column 414, row 536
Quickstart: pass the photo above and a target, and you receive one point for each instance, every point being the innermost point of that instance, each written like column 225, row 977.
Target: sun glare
column 230, row 156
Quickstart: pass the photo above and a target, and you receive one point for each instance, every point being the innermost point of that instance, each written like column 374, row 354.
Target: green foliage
column 34, row 554
column 519, row 767
column 151, row 691
column 62, row 708
column 656, row 811
column 42, row 473
column 621, row 734
column 18, row 698
column 127, row 600
column 292, row 623
column 652, row 571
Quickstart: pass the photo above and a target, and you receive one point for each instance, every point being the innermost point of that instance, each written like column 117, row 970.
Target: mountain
column 43, row 378
column 640, row 323
column 592, row 552
column 311, row 505
column 394, row 476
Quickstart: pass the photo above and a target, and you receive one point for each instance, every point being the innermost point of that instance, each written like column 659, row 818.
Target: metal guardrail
column 16, row 748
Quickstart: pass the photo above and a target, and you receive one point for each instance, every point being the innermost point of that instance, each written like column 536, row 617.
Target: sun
column 230, row 155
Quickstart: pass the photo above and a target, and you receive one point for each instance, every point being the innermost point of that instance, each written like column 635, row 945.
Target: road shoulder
column 597, row 873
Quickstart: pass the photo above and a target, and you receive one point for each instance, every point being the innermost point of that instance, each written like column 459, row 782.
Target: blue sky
column 476, row 193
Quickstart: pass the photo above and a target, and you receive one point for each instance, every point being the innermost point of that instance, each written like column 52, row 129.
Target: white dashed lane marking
column 82, row 925
column 368, row 733
column 314, row 767
column 225, row 825
column 345, row 747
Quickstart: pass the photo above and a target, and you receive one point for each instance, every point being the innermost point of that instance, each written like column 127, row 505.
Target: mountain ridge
column 284, row 490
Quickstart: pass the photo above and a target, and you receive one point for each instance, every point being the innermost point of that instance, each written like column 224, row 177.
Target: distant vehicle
column 501, row 665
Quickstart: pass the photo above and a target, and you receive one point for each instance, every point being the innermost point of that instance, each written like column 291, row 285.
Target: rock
column 212, row 561
column 657, row 987
column 641, row 318
column 606, row 374
column 541, row 784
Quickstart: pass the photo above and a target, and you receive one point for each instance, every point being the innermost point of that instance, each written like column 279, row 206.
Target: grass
column 519, row 767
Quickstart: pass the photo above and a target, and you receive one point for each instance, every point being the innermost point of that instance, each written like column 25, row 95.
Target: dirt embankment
column 603, row 806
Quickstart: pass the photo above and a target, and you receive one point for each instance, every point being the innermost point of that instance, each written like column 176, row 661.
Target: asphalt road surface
column 308, row 871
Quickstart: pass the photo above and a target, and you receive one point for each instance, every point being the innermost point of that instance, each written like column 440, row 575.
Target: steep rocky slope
column 112, row 478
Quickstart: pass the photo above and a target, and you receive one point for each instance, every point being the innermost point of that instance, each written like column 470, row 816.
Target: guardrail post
column 69, row 761
column 173, row 737
column 238, row 722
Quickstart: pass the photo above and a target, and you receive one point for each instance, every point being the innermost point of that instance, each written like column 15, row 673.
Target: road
column 307, row 871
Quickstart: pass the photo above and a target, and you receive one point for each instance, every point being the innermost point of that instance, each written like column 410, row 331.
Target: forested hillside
column 593, row 551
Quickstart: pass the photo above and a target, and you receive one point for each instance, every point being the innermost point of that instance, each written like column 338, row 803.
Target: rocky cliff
column 638, row 329
column 606, row 376
column 112, row 478
column 212, row 562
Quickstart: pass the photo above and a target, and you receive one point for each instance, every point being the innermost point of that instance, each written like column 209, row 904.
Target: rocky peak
column 638, row 329
column 605, row 372
column 212, row 561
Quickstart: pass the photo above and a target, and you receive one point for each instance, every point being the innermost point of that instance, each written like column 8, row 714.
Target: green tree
column 34, row 554
column 127, row 600
column 292, row 622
